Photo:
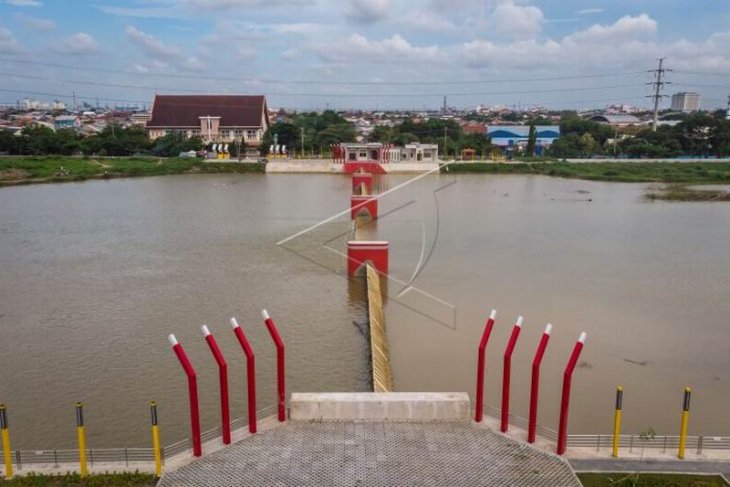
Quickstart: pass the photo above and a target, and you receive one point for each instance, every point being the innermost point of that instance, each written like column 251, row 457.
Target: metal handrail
column 126, row 455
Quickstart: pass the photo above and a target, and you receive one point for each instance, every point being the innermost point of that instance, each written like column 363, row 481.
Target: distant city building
column 685, row 102
column 141, row 118
column 215, row 118
column 67, row 122
column 511, row 137
column 616, row 120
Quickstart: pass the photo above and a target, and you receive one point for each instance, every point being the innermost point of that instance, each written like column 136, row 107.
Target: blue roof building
column 510, row 137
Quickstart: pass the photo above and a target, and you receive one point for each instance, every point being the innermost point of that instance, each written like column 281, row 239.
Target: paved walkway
column 377, row 453
column 629, row 465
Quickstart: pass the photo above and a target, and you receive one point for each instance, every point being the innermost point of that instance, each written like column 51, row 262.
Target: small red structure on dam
column 362, row 251
column 363, row 204
column 362, row 183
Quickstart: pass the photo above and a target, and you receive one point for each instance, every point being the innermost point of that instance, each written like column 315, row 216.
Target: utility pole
column 302, row 131
column 659, row 74
column 444, row 142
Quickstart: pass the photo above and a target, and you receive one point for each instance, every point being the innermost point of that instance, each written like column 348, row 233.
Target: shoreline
column 16, row 171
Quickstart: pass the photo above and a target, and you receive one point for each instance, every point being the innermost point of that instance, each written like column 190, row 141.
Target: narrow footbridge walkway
column 379, row 453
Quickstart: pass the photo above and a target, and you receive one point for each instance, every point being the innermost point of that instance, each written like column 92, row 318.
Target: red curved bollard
column 481, row 366
column 567, row 378
column 250, row 374
column 506, row 372
column 223, row 379
column 280, row 372
column 192, row 392
column 535, row 384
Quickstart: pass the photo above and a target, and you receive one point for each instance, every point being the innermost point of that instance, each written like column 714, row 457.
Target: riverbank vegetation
column 680, row 192
column 129, row 479
column 628, row 172
column 649, row 480
column 26, row 170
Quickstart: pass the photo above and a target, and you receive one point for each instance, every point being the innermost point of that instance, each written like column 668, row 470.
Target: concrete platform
column 373, row 406
column 377, row 453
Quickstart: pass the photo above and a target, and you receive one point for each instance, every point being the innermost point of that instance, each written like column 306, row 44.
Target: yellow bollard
column 156, row 439
column 617, row 420
column 6, row 442
column 685, row 423
column 81, row 436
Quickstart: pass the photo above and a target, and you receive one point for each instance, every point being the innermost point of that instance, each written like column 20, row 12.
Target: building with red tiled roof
column 475, row 128
column 214, row 118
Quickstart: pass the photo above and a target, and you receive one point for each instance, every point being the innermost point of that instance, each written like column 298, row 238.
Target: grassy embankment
column 649, row 480
column 51, row 169
column 676, row 175
column 75, row 480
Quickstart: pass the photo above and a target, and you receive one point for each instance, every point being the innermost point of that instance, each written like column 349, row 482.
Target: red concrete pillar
column 565, row 401
column 359, row 203
column 479, row 408
column 535, row 384
column 250, row 374
column 280, row 362
column 223, row 380
column 506, row 372
column 361, row 251
column 192, row 394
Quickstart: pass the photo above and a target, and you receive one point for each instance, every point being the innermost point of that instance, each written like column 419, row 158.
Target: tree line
column 113, row 140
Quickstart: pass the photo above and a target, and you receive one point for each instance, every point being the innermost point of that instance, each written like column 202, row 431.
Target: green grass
column 628, row 172
column 135, row 479
column 25, row 170
column 625, row 479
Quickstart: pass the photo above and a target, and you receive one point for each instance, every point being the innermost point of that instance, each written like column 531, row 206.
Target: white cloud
column 8, row 43
column 79, row 43
column 589, row 11
column 623, row 28
column 617, row 45
column 141, row 12
column 359, row 47
column 369, row 11
column 35, row 23
column 290, row 54
column 237, row 4
column 429, row 21
column 516, row 21
column 24, row 3
column 152, row 46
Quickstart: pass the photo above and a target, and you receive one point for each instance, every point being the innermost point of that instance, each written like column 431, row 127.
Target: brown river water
column 96, row 274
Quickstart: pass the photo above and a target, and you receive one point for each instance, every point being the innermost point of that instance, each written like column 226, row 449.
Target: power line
column 320, row 81
column 323, row 94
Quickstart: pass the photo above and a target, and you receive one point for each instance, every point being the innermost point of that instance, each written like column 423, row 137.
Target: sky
column 368, row 54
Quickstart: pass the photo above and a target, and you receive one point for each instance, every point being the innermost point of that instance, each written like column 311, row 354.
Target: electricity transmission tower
column 658, row 84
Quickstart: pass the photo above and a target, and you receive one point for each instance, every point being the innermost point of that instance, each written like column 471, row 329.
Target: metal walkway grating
column 377, row 454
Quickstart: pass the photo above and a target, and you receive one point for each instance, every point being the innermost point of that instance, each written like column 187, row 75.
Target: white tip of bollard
column 173, row 341
column 520, row 320
column 234, row 323
column 548, row 329
column 493, row 314
column 265, row 314
column 205, row 330
column 582, row 337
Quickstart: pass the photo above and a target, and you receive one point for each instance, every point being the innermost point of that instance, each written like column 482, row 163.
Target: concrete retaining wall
column 304, row 166
column 329, row 167
column 373, row 406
